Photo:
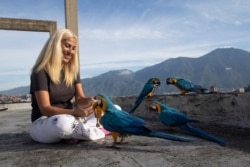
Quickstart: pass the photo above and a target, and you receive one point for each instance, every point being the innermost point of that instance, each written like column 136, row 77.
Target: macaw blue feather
column 185, row 85
column 122, row 122
column 202, row 134
column 147, row 91
column 173, row 117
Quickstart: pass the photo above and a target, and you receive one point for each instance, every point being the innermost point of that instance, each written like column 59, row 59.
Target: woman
column 55, row 81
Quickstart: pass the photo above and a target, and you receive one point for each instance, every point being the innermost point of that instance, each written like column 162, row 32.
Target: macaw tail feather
column 198, row 89
column 203, row 134
column 135, row 106
column 133, row 109
column 169, row 136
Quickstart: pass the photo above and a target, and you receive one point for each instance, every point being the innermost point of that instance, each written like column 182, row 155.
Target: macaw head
column 171, row 80
column 102, row 106
column 99, row 108
column 156, row 106
column 155, row 81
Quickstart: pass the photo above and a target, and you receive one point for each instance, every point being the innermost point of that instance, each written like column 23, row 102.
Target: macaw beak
column 97, row 111
column 169, row 81
column 157, row 83
column 96, row 103
column 153, row 107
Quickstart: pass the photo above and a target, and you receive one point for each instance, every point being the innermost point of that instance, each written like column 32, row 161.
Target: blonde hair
column 50, row 59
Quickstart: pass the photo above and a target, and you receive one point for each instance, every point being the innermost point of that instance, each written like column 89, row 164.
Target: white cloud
column 130, row 33
column 230, row 12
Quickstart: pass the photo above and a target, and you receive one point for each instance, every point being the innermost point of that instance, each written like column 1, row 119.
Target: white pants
column 55, row 128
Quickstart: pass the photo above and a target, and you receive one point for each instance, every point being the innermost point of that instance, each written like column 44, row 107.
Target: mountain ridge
column 226, row 68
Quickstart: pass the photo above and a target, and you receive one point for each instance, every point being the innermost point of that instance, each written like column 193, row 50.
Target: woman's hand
column 82, row 112
column 84, row 106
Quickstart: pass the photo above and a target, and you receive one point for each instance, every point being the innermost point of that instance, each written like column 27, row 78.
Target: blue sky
column 125, row 34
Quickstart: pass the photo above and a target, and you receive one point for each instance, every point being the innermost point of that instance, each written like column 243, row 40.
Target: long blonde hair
column 50, row 59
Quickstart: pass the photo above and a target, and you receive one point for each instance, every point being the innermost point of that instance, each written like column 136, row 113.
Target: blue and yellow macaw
column 120, row 123
column 146, row 92
column 185, row 86
column 172, row 117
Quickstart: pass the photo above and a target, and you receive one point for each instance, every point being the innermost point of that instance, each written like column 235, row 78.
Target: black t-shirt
column 59, row 94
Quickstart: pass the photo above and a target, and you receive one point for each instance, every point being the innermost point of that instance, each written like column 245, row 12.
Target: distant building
column 213, row 89
column 240, row 90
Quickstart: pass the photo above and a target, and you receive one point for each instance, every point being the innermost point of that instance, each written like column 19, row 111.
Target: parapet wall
column 219, row 108
column 16, row 106
column 226, row 109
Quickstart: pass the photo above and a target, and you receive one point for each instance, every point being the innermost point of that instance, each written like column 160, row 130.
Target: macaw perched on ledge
column 185, row 86
column 146, row 92
column 120, row 123
column 174, row 118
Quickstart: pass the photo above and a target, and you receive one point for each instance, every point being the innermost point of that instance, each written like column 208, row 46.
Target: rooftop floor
column 17, row 148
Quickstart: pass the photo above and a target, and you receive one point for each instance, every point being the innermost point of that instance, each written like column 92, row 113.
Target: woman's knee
column 65, row 124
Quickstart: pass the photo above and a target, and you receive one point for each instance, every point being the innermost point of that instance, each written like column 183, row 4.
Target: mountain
column 225, row 68
column 118, row 82
column 19, row 91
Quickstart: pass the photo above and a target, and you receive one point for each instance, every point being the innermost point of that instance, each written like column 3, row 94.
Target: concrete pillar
column 71, row 19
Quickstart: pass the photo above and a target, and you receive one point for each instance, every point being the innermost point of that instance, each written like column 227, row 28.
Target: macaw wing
column 184, row 84
column 136, row 128
column 198, row 88
column 173, row 118
column 121, row 122
column 134, row 125
column 146, row 89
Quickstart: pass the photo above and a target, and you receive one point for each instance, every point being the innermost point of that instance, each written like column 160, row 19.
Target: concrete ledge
column 28, row 25
column 224, row 109
column 17, row 106
column 220, row 108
